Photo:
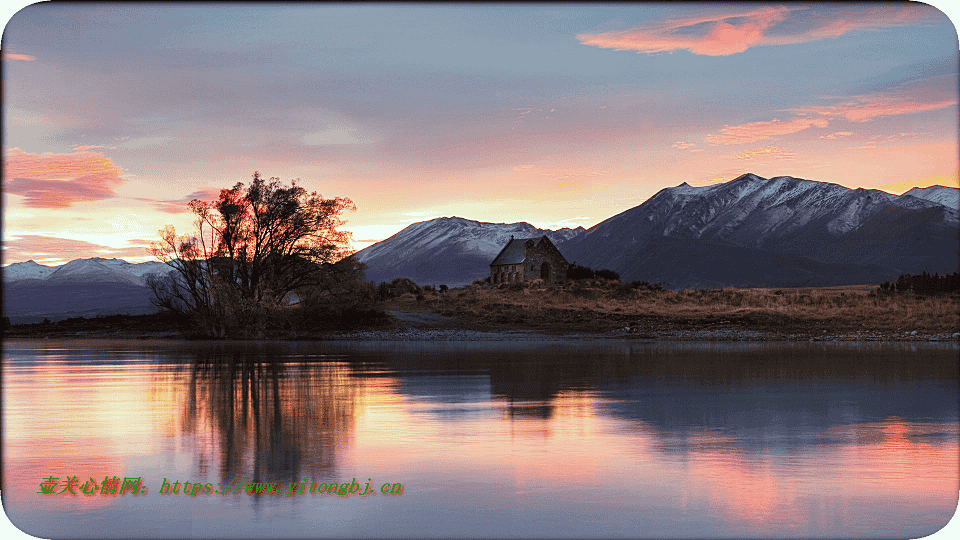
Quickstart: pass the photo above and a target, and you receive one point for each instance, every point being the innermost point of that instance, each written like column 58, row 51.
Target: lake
column 480, row 439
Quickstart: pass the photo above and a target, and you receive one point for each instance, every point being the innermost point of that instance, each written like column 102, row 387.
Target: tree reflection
column 266, row 420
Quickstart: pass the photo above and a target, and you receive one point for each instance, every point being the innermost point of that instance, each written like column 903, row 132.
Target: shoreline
column 422, row 325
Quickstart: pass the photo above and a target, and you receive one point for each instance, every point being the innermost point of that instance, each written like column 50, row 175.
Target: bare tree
column 250, row 250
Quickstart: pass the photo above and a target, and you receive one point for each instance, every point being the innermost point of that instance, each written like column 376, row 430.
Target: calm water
column 557, row 439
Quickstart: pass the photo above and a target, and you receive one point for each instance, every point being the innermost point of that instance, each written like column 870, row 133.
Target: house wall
column 535, row 259
column 530, row 269
column 506, row 273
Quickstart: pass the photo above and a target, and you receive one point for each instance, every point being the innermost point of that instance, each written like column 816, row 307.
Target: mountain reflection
column 756, row 392
column 266, row 419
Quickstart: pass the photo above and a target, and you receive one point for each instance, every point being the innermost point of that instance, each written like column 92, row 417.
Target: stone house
column 527, row 259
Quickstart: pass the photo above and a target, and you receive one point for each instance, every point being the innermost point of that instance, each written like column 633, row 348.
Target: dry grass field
column 598, row 306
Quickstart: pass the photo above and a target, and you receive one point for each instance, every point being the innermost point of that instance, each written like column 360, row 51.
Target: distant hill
column 82, row 287
column 448, row 251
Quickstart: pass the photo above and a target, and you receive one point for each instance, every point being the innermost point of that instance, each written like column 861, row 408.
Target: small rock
column 913, row 333
column 956, row 335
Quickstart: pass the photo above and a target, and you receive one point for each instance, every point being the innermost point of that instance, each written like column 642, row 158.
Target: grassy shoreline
column 609, row 308
column 600, row 307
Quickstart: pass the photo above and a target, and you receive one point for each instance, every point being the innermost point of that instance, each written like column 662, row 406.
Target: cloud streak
column 179, row 206
column 867, row 107
column 767, row 151
column 759, row 131
column 21, row 57
column 60, row 180
column 732, row 32
column 52, row 249
column 860, row 109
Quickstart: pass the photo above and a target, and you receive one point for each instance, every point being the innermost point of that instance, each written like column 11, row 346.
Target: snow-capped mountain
column 26, row 270
column 91, row 270
column 81, row 287
column 784, row 216
column 947, row 196
column 452, row 251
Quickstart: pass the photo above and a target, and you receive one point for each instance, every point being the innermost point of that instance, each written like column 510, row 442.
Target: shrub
column 609, row 275
column 577, row 272
column 402, row 285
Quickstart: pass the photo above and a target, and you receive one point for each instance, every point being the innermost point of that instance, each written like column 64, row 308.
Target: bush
column 609, row 275
column 402, row 285
column 576, row 272
column 643, row 285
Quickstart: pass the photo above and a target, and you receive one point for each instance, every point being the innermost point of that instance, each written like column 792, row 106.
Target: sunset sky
column 116, row 116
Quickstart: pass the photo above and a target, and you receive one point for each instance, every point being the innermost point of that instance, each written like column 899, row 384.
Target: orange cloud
column 84, row 148
column 767, row 151
column 862, row 108
column 734, row 32
column 867, row 107
column 60, row 180
column 837, row 135
column 758, row 131
column 15, row 56
column 54, row 250
column 719, row 35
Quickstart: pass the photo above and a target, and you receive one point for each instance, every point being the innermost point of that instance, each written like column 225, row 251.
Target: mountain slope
column 26, row 270
column 790, row 217
column 81, row 287
column 451, row 251
column 947, row 196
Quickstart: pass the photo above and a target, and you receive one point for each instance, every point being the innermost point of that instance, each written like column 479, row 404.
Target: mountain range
column 450, row 251
column 81, row 287
column 750, row 231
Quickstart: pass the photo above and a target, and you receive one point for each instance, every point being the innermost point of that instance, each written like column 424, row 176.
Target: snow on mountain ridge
column 481, row 237
column 452, row 251
column 750, row 210
column 89, row 270
column 947, row 196
column 26, row 270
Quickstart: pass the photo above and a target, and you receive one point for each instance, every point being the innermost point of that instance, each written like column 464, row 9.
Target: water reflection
column 270, row 420
column 545, row 439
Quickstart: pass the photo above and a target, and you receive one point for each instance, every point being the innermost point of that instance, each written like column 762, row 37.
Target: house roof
column 515, row 252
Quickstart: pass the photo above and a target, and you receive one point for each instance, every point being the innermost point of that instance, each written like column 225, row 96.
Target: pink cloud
column 179, row 206
column 863, row 108
column 21, row 57
column 84, row 148
column 36, row 247
column 60, row 180
column 758, row 131
column 867, row 107
column 682, row 145
column 734, row 32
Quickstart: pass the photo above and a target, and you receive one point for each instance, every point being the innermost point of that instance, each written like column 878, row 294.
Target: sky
column 116, row 116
